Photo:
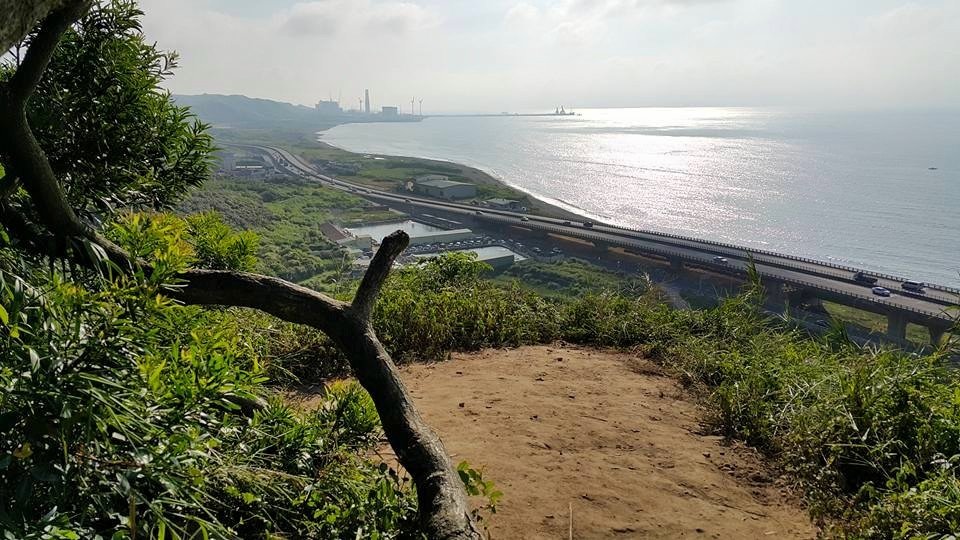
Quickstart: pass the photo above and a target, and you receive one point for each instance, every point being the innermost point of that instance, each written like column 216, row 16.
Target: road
column 800, row 272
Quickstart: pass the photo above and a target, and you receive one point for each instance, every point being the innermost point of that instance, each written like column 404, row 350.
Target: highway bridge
column 793, row 279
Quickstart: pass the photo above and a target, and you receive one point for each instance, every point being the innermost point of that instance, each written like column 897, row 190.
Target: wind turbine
column 412, row 111
column 421, row 106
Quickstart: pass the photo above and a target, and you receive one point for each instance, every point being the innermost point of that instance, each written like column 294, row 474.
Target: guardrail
column 727, row 246
column 769, row 253
column 734, row 270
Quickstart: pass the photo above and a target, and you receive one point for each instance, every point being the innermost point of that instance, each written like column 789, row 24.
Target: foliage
column 572, row 277
column 286, row 212
column 113, row 137
column 442, row 305
column 119, row 419
column 476, row 486
column 201, row 240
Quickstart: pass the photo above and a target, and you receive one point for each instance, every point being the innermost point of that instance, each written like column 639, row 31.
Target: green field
column 287, row 213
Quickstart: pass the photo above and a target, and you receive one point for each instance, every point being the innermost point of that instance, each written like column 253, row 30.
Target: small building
column 503, row 204
column 440, row 237
column 441, row 187
column 362, row 242
column 390, row 111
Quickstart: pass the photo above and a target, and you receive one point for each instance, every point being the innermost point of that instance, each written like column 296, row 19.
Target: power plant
column 364, row 111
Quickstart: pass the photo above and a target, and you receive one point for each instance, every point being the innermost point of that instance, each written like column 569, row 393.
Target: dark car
column 860, row 277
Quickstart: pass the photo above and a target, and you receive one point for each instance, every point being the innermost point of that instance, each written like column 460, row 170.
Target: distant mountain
column 246, row 112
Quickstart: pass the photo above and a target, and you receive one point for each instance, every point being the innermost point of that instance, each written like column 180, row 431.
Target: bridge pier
column 936, row 333
column 896, row 326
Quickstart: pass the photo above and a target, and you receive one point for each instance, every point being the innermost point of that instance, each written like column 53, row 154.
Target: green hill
column 236, row 111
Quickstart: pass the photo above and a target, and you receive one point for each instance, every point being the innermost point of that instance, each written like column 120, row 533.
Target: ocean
column 877, row 190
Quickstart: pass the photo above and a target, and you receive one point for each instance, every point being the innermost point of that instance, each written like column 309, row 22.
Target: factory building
column 390, row 111
column 441, row 187
column 329, row 108
column 503, row 204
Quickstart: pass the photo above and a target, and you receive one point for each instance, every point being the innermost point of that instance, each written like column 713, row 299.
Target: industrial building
column 329, row 108
column 390, row 111
column 441, row 187
column 440, row 237
column 503, row 204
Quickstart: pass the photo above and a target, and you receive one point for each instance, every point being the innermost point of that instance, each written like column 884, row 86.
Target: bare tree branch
column 391, row 246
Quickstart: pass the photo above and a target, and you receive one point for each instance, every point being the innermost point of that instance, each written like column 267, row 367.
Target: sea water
column 878, row 190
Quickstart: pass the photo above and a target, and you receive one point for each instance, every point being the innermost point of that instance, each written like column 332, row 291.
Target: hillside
column 236, row 111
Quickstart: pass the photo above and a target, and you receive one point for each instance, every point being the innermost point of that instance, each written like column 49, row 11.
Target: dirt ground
column 604, row 434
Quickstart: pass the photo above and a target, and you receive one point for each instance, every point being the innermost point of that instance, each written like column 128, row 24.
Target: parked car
column 881, row 291
column 860, row 277
column 720, row 260
column 911, row 285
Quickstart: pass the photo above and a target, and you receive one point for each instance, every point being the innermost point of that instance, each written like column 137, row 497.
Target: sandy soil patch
column 606, row 433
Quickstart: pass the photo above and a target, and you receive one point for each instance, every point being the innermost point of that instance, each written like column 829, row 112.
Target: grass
column 286, row 213
column 569, row 278
column 873, row 322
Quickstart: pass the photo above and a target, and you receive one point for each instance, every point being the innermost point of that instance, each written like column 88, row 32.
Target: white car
column 881, row 291
column 721, row 260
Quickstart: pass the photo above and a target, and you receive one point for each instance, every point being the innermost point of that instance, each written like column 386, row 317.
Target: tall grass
column 871, row 435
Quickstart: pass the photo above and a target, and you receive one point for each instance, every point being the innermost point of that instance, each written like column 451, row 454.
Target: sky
column 499, row 55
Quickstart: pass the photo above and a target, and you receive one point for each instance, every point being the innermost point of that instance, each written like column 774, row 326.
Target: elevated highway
column 794, row 278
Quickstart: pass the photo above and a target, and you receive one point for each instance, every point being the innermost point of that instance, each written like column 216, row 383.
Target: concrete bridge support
column 936, row 333
column 897, row 326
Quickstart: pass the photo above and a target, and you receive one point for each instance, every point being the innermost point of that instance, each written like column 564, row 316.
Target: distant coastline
column 540, row 205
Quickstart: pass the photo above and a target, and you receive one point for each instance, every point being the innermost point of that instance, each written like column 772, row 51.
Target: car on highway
column 524, row 218
column 881, row 291
column 913, row 286
column 721, row 260
column 588, row 224
column 567, row 223
column 860, row 277
column 478, row 212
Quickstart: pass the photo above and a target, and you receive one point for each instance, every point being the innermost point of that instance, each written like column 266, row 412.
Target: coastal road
column 796, row 271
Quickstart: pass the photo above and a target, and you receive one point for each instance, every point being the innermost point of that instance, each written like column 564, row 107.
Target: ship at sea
column 561, row 112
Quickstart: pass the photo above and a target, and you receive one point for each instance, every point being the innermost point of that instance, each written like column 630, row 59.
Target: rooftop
column 438, row 181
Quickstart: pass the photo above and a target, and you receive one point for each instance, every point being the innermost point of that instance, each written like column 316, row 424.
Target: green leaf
column 4, row 316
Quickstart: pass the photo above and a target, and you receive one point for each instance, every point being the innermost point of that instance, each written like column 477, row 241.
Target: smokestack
column 366, row 101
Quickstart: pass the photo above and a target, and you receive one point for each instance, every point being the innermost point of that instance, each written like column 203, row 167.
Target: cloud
column 328, row 17
column 522, row 14
column 527, row 54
